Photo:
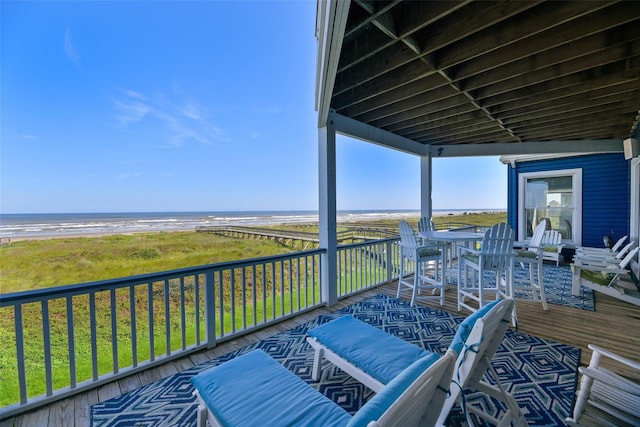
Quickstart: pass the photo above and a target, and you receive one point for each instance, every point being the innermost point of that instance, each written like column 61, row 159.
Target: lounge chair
column 608, row 277
column 605, row 392
column 374, row 357
column 256, row 390
column 604, row 256
column 613, row 250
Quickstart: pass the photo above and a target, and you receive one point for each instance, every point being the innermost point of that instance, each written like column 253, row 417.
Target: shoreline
column 173, row 228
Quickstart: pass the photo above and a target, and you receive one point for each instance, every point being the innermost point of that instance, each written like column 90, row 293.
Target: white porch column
column 425, row 185
column 327, row 212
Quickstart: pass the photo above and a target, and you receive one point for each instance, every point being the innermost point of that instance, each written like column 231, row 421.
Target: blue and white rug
column 541, row 374
column 557, row 287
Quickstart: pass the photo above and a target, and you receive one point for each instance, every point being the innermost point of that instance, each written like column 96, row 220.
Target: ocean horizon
column 71, row 224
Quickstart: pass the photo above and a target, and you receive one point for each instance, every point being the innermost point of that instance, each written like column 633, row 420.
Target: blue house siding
column 605, row 193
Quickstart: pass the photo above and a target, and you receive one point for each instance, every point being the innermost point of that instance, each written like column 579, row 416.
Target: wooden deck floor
column 614, row 325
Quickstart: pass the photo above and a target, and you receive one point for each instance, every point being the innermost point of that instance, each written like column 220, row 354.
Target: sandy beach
column 94, row 225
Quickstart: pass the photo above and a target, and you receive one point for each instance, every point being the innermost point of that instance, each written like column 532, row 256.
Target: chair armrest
column 462, row 249
column 611, row 379
column 631, row 363
column 602, row 269
column 593, row 264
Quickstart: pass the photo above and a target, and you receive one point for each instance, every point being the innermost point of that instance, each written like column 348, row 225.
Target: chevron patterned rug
column 557, row 287
column 541, row 374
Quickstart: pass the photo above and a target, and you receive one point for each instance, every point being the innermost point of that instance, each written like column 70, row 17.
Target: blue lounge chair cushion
column 381, row 355
column 467, row 325
column 256, row 390
column 379, row 403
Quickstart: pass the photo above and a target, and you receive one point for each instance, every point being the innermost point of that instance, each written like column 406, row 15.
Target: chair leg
column 416, row 284
column 543, row 297
column 400, row 277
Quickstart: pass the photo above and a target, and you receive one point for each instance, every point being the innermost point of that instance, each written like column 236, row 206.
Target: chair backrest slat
column 497, row 247
column 408, row 241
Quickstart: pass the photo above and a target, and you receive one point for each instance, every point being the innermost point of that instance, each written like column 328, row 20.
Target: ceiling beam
column 541, row 147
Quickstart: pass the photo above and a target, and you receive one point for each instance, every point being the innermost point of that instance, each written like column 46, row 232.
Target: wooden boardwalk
column 615, row 325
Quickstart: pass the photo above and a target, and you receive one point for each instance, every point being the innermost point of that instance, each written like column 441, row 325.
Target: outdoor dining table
column 449, row 238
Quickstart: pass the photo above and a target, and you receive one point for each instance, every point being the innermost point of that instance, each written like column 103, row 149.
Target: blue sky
column 187, row 106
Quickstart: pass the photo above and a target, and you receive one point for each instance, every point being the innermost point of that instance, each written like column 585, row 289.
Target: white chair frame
column 428, row 262
column 533, row 263
column 605, row 392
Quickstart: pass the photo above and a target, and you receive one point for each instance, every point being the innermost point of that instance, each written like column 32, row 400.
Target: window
column 553, row 197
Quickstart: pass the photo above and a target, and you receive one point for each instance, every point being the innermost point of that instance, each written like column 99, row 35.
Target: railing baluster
column 46, row 335
column 94, row 334
column 253, row 295
column 114, row 330
column 71, row 343
column 152, row 350
column 22, row 375
column 167, row 316
column 289, row 269
column 244, row 296
column 134, row 332
column 232, row 272
column 273, row 289
column 183, row 315
column 281, row 263
column 221, row 302
column 196, row 296
column 264, row 293
column 298, row 282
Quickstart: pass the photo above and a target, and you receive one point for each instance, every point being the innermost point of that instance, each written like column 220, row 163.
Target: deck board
column 614, row 325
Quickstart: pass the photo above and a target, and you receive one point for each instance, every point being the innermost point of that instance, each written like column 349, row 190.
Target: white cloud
column 184, row 121
column 70, row 50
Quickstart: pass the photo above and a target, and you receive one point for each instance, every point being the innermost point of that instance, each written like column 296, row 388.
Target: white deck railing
column 63, row 340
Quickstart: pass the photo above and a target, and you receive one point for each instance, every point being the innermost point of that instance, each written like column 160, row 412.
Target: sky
column 146, row 106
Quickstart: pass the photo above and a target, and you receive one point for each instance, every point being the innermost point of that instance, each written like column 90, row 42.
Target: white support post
column 327, row 214
column 426, row 173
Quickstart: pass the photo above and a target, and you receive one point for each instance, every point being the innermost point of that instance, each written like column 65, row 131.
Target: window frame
column 576, row 182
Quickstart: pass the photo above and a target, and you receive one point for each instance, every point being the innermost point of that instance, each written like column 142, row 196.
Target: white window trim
column 576, row 222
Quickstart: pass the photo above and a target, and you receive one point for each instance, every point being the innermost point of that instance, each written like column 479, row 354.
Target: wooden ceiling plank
column 410, row 17
column 410, row 72
column 406, row 109
column 433, row 120
column 557, row 71
column 370, row 14
column 392, row 99
column 382, row 56
column 543, row 114
column 607, row 75
column 602, row 104
column 499, row 135
column 582, row 97
column 421, row 110
column 604, row 115
column 513, row 60
column 452, row 131
column 469, row 20
column 546, row 18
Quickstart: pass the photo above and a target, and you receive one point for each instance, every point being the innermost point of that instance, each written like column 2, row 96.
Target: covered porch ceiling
column 461, row 78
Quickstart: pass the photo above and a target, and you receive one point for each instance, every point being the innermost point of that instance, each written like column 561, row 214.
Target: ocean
column 75, row 224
